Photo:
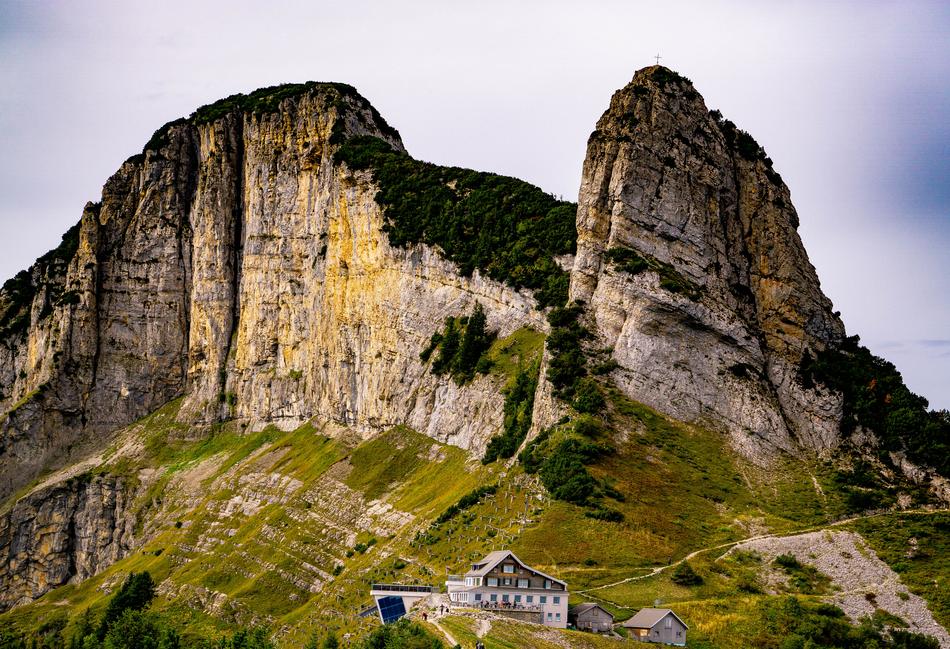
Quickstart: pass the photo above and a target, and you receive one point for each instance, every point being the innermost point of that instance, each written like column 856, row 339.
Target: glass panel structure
column 391, row 608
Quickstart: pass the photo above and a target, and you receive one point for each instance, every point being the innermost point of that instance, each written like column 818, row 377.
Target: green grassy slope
column 289, row 529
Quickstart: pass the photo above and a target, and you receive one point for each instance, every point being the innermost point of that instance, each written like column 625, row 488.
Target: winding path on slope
column 805, row 530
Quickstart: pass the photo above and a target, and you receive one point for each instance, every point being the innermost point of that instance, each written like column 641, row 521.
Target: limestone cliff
column 694, row 274
column 236, row 263
column 67, row 531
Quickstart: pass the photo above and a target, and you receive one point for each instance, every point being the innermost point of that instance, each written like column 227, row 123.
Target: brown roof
column 583, row 608
column 647, row 618
column 492, row 559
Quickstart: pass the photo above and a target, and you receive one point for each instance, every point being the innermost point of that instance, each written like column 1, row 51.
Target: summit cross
column 658, row 57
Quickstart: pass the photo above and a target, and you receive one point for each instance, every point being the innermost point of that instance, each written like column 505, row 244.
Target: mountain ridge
column 242, row 329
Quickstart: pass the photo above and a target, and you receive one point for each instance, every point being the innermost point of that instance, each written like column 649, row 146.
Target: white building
column 503, row 583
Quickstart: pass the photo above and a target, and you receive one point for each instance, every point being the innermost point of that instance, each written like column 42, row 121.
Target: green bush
column 468, row 500
column 744, row 145
column 633, row 262
column 684, row 575
column 790, row 624
column 402, row 634
column 18, row 292
column 507, row 228
column 587, row 397
column 519, row 407
column 567, row 364
column 876, row 398
column 135, row 594
column 604, row 514
column 803, row 578
column 462, row 347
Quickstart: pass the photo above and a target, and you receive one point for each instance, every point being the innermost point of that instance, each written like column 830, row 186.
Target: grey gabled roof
column 492, row 559
column 647, row 618
column 583, row 608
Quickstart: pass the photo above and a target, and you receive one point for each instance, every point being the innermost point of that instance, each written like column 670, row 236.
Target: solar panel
column 391, row 608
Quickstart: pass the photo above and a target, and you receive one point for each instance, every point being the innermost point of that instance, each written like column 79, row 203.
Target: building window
column 557, row 600
column 493, row 581
column 530, row 598
column 669, row 623
column 544, row 599
column 494, row 597
column 547, row 583
column 523, row 583
column 478, row 597
column 504, row 598
column 679, row 634
column 549, row 616
column 506, row 581
column 557, row 616
column 517, row 598
column 508, row 568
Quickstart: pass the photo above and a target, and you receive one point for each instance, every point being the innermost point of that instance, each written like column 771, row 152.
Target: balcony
column 505, row 606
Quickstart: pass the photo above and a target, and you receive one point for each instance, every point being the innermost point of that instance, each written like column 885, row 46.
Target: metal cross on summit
column 658, row 57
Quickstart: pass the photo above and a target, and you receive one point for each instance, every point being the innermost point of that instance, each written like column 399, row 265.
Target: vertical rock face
column 67, row 531
column 236, row 263
column 712, row 324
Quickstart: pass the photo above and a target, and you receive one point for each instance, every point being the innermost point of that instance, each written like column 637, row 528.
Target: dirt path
column 484, row 626
column 448, row 636
column 730, row 544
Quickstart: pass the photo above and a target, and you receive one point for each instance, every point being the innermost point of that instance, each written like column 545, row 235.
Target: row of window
column 511, row 581
column 557, row 617
column 528, row 599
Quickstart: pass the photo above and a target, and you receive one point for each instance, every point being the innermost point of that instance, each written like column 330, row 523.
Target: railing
column 400, row 588
column 504, row 606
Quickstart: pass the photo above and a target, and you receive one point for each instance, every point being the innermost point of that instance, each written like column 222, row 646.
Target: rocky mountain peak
column 689, row 257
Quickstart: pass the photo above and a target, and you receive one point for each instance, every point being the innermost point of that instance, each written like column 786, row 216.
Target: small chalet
column 501, row 582
column 660, row 625
column 590, row 617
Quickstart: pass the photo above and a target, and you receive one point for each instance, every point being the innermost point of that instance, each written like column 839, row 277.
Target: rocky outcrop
column 713, row 328
column 68, row 531
column 237, row 263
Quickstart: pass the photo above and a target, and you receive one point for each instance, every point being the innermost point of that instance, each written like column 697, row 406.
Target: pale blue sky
column 851, row 100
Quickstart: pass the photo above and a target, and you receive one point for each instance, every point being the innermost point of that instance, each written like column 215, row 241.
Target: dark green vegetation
column 791, row 623
column 802, row 578
column 663, row 77
column 633, row 262
column 135, row 594
column 128, row 624
column 461, row 347
column 49, row 271
column 519, row 406
column 503, row 226
column 864, row 489
column 684, row 575
column 465, row 502
column 876, row 398
column 267, row 100
column 401, row 635
column 568, row 363
column 745, row 146
column 560, row 455
column 918, row 549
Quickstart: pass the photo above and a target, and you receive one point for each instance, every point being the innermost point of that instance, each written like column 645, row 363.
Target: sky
column 850, row 99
